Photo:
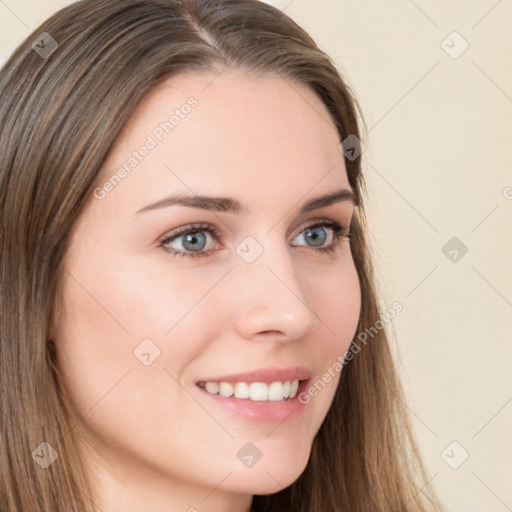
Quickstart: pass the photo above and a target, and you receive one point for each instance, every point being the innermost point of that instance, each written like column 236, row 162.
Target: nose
column 271, row 300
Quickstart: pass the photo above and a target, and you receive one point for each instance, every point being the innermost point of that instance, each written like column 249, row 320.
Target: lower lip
column 264, row 411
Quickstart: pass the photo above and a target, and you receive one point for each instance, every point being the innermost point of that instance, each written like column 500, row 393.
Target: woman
column 185, row 275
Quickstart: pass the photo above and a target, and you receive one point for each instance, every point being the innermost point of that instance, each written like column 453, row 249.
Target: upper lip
column 266, row 375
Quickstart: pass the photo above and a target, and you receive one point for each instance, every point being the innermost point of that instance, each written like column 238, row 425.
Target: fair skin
column 151, row 438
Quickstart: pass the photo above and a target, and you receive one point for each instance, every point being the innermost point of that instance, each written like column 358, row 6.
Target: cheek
column 93, row 343
column 338, row 305
column 338, row 299
column 115, row 313
column 111, row 318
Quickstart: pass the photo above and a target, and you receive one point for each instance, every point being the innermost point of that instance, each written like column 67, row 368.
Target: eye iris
column 192, row 238
column 316, row 235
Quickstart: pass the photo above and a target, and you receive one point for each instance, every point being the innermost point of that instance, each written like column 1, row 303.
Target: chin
column 269, row 478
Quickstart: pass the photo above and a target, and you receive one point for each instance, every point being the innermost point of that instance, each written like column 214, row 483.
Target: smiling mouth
column 254, row 391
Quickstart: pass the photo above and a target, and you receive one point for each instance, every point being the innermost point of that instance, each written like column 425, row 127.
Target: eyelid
column 187, row 228
column 314, row 223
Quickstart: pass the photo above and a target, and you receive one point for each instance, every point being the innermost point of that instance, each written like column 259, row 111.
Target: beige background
column 437, row 164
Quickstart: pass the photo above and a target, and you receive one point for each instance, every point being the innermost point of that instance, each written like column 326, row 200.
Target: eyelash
column 339, row 232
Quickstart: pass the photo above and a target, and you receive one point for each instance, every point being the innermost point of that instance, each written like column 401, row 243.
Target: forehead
column 223, row 133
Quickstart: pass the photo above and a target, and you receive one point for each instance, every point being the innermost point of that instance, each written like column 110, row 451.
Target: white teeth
column 226, row 389
column 294, row 386
column 242, row 390
column 256, row 391
column 286, row 389
column 212, row 387
column 275, row 391
column 259, row 391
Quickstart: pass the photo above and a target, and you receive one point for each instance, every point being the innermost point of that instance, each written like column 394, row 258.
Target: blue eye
column 317, row 235
column 194, row 241
column 193, row 238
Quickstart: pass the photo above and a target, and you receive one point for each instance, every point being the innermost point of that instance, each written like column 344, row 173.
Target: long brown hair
column 65, row 94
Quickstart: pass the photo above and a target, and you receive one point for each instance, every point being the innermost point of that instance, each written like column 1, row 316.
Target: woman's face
column 158, row 296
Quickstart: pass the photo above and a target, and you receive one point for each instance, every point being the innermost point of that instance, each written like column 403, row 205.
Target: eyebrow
column 231, row 205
